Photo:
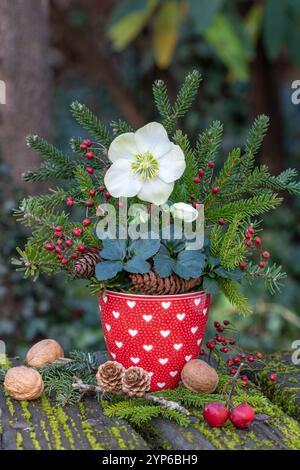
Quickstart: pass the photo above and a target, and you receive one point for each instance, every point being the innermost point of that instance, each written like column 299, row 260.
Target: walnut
column 198, row 376
column 23, row 383
column 44, row 352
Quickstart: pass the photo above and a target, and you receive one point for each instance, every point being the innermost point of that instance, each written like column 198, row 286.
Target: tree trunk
column 24, row 69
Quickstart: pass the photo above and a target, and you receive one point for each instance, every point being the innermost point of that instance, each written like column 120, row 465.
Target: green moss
column 47, row 408
column 27, row 416
column 88, row 430
column 63, row 420
column 19, row 441
column 10, row 405
column 46, row 433
column 115, row 431
column 292, row 380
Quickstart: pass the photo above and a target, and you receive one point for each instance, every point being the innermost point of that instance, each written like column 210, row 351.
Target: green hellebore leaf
column 137, row 265
column 163, row 263
column 144, row 248
column 108, row 269
column 114, row 249
column 190, row 264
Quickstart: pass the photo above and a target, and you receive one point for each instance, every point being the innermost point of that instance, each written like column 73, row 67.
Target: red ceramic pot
column 159, row 333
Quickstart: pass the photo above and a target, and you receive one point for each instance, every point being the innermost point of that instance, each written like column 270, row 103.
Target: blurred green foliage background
column 107, row 54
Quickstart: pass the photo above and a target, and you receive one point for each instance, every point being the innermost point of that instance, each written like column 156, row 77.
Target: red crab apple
column 242, row 415
column 215, row 414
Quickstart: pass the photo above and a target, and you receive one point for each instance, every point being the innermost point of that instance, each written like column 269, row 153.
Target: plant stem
column 233, row 384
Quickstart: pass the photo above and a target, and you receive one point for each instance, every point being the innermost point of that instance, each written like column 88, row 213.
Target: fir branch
column 120, row 127
column 208, row 144
column 246, row 208
column 163, row 105
column 185, row 185
column 91, row 123
column 230, row 290
column 216, row 237
column 272, row 276
column 254, row 141
column 186, row 94
column 284, row 181
column 231, row 239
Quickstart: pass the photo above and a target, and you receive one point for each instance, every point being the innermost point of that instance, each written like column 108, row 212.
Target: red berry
column 197, row 180
column 101, row 189
column 248, row 243
column 69, row 242
column 244, row 378
column 58, row 228
column 248, row 236
column 58, row 234
column 273, row 377
column 259, row 355
column 192, row 196
column 77, row 232
column 211, row 164
column 242, row 416
column 251, row 230
column 220, row 329
column 57, row 249
column 257, row 240
column 232, row 371
column 89, row 155
column 86, row 222
column 107, row 195
column 83, row 146
column 64, row 260
column 236, row 360
column 243, row 356
column 222, row 222
column 231, row 341
column 211, row 344
column 74, row 255
column 59, row 256
column 200, row 172
column 215, row 414
column 219, row 338
column 201, row 352
column 243, row 265
column 49, row 246
column 92, row 192
column 225, row 350
column 196, row 205
column 226, row 322
column 81, row 248
column 262, row 264
column 229, row 362
column 265, row 255
column 59, row 242
column 217, row 324
column 90, row 203
column 90, row 170
column 70, row 201
column 216, row 190
column 251, row 358
column 88, row 142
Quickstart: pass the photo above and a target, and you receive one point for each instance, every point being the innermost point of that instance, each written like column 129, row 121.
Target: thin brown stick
column 233, row 384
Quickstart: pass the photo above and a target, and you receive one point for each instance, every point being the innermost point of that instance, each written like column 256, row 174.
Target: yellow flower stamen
column 145, row 165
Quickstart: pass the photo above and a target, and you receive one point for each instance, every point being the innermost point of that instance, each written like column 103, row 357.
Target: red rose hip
column 215, row 414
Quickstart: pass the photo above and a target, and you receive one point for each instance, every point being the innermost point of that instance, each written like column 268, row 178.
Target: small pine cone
column 85, row 265
column 109, row 376
column 136, row 382
column 153, row 284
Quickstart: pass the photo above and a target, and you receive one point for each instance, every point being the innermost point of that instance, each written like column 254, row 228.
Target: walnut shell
column 23, row 383
column 44, row 352
column 198, row 376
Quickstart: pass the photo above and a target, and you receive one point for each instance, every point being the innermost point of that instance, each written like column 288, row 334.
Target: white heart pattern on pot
column 204, row 311
column 194, row 329
column 178, row 346
column 166, row 305
column 147, row 318
column 180, row 316
column 105, row 299
column 165, row 333
column 135, row 360
column 131, row 303
column 108, row 327
column 197, row 302
column 116, row 314
column 113, row 355
column 161, row 384
column 188, row 358
column 173, row 373
column 147, row 347
column 163, row 361
column 133, row 332
column 199, row 341
column 119, row 344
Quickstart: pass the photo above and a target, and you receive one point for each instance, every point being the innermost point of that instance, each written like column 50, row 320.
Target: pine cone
column 136, row 382
column 85, row 265
column 153, row 284
column 109, row 376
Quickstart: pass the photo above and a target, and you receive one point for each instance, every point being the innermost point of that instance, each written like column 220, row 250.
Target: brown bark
column 24, row 68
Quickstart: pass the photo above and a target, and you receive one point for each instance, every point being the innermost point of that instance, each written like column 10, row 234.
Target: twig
column 171, row 405
column 233, row 384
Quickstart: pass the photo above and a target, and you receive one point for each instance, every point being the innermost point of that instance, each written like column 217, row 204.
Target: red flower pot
column 159, row 333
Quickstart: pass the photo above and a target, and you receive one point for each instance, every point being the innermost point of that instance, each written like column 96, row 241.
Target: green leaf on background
column 127, row 20
column 275, row 23
column 226, row 44
column 166, row 32
column 113, row 249
column 137, row 265
column 253, row 23
column 189, row 264
column 203, row 11
column 108, row 269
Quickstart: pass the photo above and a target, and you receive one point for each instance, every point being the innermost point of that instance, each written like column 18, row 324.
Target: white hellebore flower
column 183, row 211
column 145, row 164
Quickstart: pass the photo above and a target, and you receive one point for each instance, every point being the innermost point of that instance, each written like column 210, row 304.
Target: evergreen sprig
column 87, row 119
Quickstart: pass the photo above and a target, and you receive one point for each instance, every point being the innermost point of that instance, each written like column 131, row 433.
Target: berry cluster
column 65, row 246
column 199, row 179
column 254, row 243
column 224, row 344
